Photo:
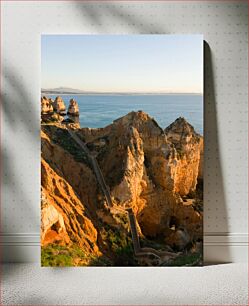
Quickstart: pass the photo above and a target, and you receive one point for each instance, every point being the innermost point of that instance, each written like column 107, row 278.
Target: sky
column 123, row 63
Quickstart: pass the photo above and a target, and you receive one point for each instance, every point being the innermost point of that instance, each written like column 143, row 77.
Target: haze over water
column 100, row 110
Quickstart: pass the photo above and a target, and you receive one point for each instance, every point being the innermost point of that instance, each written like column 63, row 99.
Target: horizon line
column 119, row 92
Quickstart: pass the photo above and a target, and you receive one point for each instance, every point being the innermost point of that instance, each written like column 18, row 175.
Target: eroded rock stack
column 46, row 106
column 59, row 106
column 187, row 159
column 73, row 108
column 54, row 111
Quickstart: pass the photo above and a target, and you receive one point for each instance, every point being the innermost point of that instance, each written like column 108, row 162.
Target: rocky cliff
column 59, row 106
column 151, row 170
column 64, row 217
column 188, row 149
column 73, row 108
column 46, row 106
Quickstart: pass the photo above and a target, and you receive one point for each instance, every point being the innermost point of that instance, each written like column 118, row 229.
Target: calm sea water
column 101, row 110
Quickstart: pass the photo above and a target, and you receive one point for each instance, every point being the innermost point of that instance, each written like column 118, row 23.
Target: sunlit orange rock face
column 186, row 160
column 59, row 105
column 64, row 216
column 46, row 106
column 73, row 108
column 152, row 170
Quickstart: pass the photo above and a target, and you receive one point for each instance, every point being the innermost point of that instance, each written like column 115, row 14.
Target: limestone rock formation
column 147, row 170
column 46, row 106
column 201, row 163
column 73, row 108
column 63, row 215
column 187, row 156
column 155, row 172
column 64, row 156
column 52, row 223
column 59, row 106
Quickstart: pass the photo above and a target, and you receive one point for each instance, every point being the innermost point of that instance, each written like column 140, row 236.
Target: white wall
column 224, row 26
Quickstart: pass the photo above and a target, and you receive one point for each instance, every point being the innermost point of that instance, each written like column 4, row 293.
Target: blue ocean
column 100, row 110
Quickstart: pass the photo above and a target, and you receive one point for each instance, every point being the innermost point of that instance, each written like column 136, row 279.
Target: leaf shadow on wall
column 20, row 123
column 20, row 115
column 215, row 207
column 124, row 17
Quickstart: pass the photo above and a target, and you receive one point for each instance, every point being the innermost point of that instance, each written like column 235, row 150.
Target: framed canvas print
column 122, row 150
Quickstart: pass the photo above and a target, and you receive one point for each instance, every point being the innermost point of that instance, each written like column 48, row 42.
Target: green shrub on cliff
column 54, row 255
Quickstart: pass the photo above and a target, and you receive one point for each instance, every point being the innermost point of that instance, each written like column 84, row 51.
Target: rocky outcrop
column 146, row 169
column 201, row 163
column 73, row 108
column 64, row 217
column 65, row 157
column 52, row 223
column 48, row 111
column 59, row 106
column 51, row 100
column 186, row 158
column 153, row 171
column 54, row 111
column 46, row 106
